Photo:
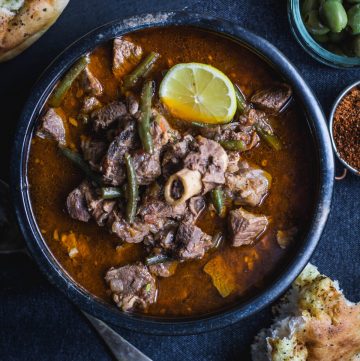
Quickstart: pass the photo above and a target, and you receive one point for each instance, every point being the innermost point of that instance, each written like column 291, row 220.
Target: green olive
column 309, row 5
column 334, row 15
column 356, row 45
column 324, row 1
column 354, row 19
column 313, row 24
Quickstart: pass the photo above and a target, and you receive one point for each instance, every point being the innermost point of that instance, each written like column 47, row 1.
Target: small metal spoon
column 11, row 242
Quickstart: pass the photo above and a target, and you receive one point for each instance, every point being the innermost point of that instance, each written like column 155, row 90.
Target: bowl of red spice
column 345, row 127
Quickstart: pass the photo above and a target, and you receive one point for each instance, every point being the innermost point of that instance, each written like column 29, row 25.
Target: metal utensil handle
column 121, row 349
column 10, row 238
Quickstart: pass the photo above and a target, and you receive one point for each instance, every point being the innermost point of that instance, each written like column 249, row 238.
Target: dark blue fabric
column 36, row 321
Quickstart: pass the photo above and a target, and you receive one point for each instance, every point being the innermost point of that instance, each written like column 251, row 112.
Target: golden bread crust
column 316, row 323
column 18, row 30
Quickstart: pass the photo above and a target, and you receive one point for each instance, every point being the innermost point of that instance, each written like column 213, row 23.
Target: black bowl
column 280, row 280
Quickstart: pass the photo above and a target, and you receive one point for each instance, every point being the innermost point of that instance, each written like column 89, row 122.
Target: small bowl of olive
column 329, row 30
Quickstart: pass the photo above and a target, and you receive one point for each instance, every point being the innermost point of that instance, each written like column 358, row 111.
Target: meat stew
column 200, row 221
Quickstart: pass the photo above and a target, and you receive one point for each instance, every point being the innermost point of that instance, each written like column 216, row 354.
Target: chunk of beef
column 126, row 55
column 99, row 208
column 89, row 105
column 52, row 127
column 234, row 131
column 113, row 165
column 161, row 131
column 76, row 204
column 272, row 98
column 211, row 160
column 160, row 216
column 174, row 155
column 234, row 161
column 163, row 240
column 90, row 83
column 147, row 167
column 132, row 286
column 165, row 269
column 157, row 212
column 104, row 117
column 129, row 233
column 93, row 151
column 249, row 185
column 160, row 136
column 83, row 203
column 196, row 206
column 191, row 241
column 245, row 227
column 213, row 132
column 257, row 118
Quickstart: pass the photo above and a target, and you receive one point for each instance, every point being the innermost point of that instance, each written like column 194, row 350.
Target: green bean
column 217, row 198
column 124, row 189
column 64, row 85
column 217, row 240
column 140, row 71
column 271, row 139
column 145, row 114
column 313, row 23
column 77, row 159
column 110, row 192
column 354, row 19
column 334, row 15
column 233, row 145
column 240, row 100
column 132, row 189
column 160, row 258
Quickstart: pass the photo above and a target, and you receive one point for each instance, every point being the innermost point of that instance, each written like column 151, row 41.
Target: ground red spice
column 346, row 128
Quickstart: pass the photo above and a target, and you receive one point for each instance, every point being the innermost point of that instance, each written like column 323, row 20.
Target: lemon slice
column 198, row 92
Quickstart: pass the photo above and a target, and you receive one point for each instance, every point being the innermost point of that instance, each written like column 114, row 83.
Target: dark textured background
column 36, row 321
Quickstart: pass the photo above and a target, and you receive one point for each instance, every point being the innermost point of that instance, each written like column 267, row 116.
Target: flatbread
column 22, row 22
column 316, row 323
